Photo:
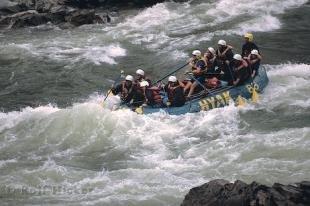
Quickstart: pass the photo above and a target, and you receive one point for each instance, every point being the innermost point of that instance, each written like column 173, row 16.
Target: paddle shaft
column 167, row 75
column 196, row 80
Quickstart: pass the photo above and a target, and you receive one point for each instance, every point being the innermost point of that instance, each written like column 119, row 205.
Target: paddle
column 114, row 82
column 174, row 71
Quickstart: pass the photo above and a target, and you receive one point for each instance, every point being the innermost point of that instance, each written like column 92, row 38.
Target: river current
column 58, row 146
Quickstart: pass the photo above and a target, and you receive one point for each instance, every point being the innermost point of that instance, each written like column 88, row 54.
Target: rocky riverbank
column 223, row 193
column 65, row 13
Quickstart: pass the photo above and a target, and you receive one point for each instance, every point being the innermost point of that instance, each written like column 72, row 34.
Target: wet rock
column 223, row 193
column 81, row 17
column 22, row 13
column 22, row 19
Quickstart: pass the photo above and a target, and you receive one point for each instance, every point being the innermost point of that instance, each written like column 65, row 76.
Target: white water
column 122, row 158
column 164, row 28
column 127, row 158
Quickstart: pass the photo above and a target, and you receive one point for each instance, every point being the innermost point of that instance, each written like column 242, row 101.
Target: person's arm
column 117, row 89
column 243, row 65
column 236, row 82
column 259, row 57
column 181, row 84
column 226, row 50
column 197, row 70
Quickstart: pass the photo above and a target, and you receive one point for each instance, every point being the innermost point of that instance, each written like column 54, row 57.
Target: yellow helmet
column 249, row 36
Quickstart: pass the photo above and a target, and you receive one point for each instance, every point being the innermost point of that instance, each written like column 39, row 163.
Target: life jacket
column 203, row 69
column 170, row 92
column 176, row 100
column 126, row 92
column 242, row 62
column 210, row 64
column 244, row 72
column 153, row 95
column 213, row 82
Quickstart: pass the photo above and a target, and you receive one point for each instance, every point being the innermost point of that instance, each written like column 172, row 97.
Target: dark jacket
column 243, row 73
column 247, row 48
column 129, row 94
column 228, row 55
column 175, row 95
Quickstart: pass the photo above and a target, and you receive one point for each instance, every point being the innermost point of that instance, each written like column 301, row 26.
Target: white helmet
column 254, row 51
column 237, row 57
column 222, row 42
column 211, row 50
column 144, row 84
column 196, row 53
column 172, row 79
column 129, row 78
column 140, row 71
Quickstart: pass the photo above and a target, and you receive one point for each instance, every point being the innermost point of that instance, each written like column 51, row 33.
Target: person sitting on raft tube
column 212, row 63
column 174, row 89
column 126, row 89
column 249, row 45
column 152, row 95
column 139, row 76
column 225, row 55
column 198, row 67
column 254, row 61
column 224, row 52
column 240, row 68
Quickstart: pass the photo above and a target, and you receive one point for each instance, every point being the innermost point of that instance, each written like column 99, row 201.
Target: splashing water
column 80, row 153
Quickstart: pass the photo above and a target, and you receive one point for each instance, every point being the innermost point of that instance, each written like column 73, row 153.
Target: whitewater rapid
column 121, row 157
column 59, row 146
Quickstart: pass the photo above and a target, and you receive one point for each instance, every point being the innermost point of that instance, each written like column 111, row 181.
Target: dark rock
column 223, row 193
column 64, row 12
column 22, row 19
column 81, row 17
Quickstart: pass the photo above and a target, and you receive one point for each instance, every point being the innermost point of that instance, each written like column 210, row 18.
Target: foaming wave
column 289, row 85
column 262, row 24
column 104, row 54
column 59, row 51
column 149, row 18
column 288, row 70
column 167, row 27
column 145, row 155
column 11, row 119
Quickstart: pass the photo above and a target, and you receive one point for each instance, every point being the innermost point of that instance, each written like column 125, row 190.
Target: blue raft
column 215, row 98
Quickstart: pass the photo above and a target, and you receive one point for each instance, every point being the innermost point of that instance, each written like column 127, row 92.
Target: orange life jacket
column 154, row 94
column 213, row 82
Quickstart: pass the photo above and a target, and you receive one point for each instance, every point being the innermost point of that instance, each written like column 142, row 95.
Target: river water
column 58, row 146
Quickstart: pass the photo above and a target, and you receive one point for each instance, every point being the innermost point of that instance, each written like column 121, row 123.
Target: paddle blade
column 255, row 95
column 139, row 110
column 241, row 101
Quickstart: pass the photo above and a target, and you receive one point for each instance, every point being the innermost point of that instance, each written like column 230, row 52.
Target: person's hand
column 168, row 104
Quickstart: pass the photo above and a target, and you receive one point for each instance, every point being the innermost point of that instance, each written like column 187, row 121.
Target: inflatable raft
column 215, row 98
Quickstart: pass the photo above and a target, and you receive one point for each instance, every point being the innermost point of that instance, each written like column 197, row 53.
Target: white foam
column 262, row 24
column 66, row 51
column 150, row 18
column 105, row 54
column 12, row 119
column 159, row 28
column 5, row 162
column 289, row 70
column 289, row 85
